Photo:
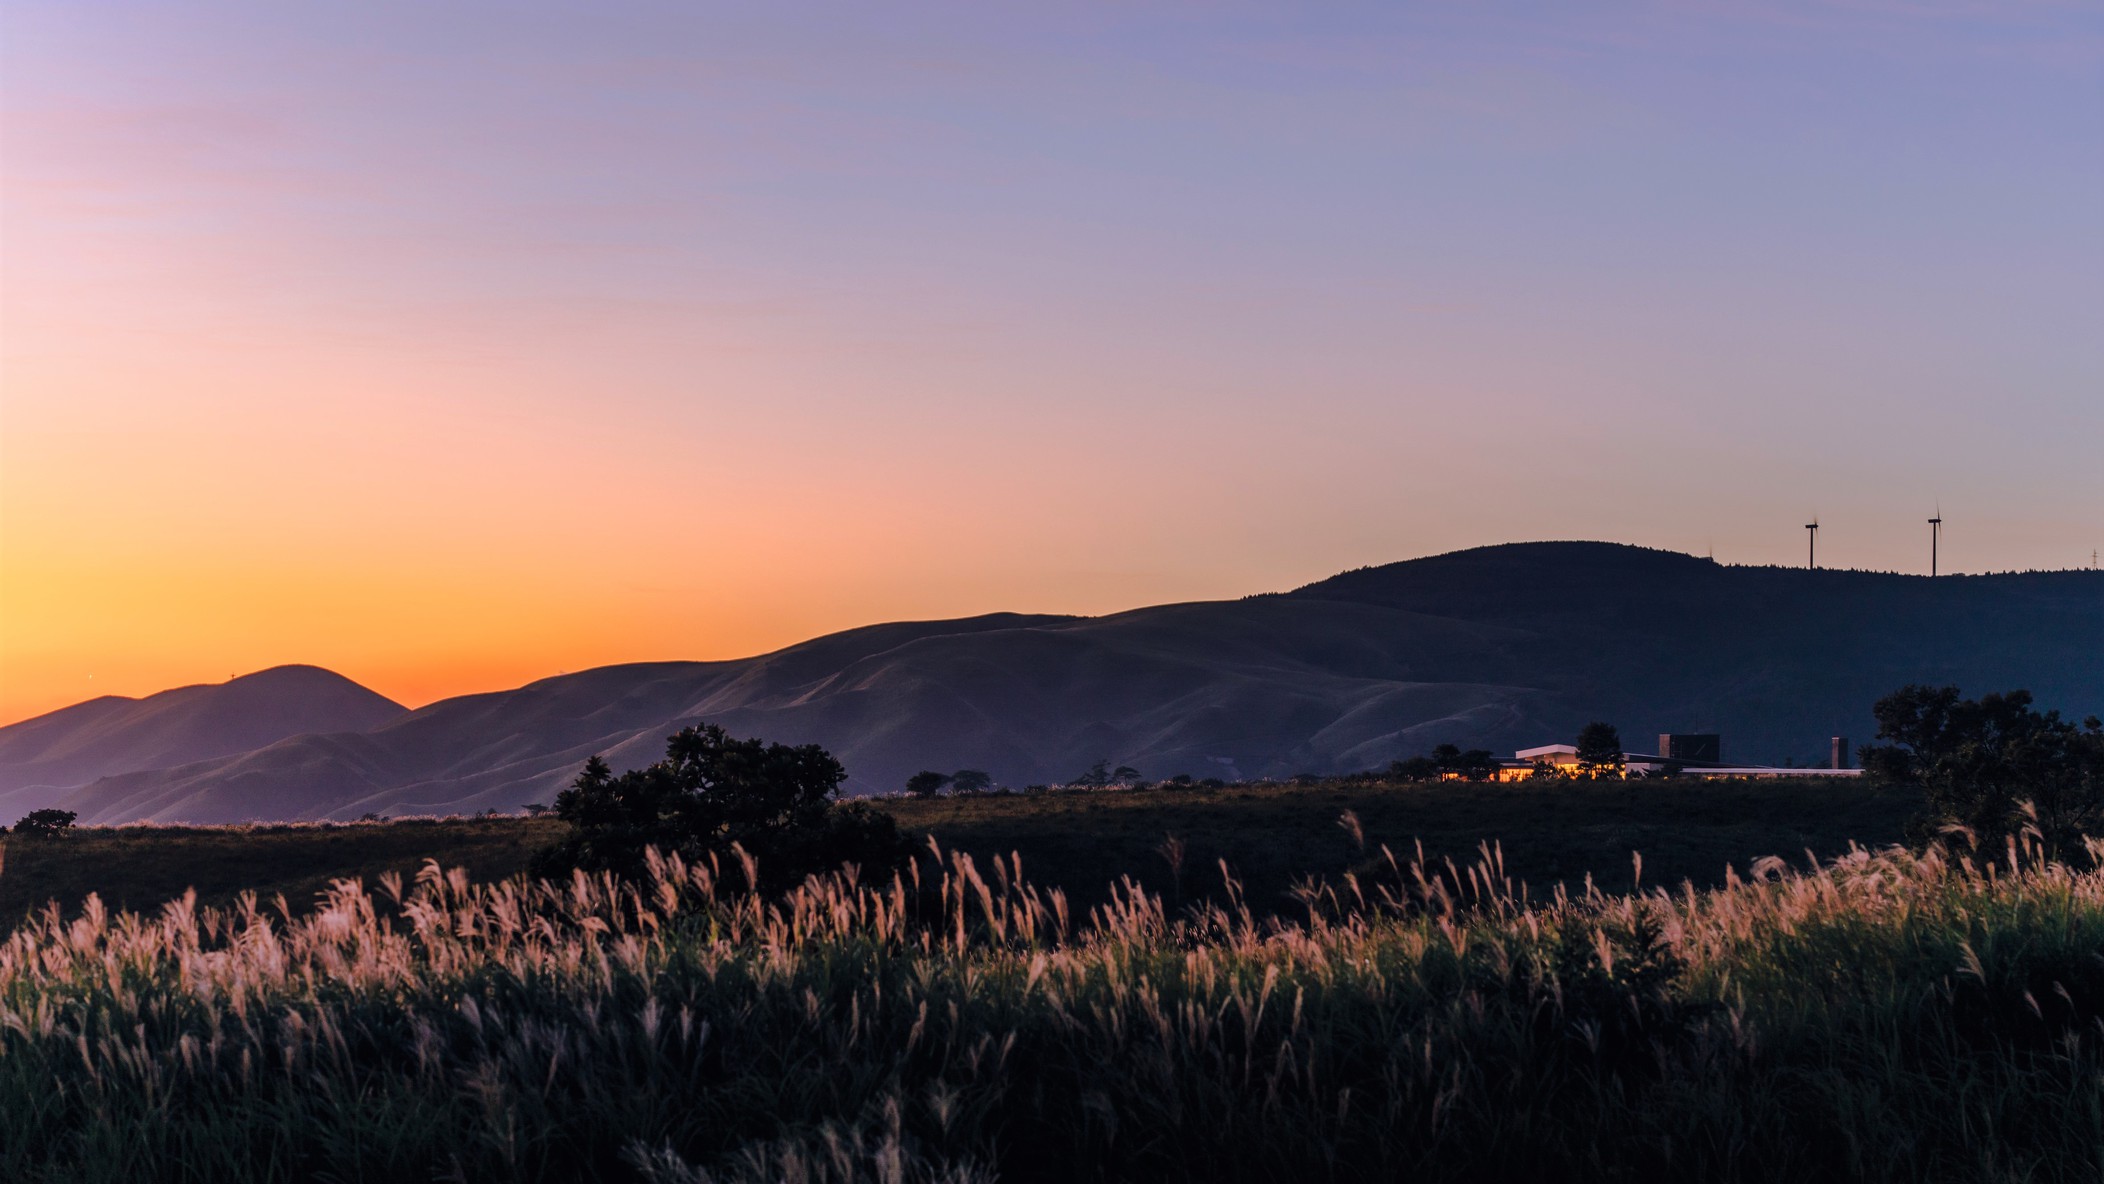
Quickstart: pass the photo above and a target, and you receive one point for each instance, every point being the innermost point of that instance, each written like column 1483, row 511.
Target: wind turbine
column 1935, row 537
column 1812, row 544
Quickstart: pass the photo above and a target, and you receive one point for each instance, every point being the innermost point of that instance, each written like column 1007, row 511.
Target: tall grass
column 1883, row 1017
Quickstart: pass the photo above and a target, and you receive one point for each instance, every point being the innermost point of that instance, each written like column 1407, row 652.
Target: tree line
column 1987, row 769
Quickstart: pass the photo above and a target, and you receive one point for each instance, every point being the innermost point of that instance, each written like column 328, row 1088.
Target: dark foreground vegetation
column 1327, row 981
column 1886, row 1017
column 141, row 867
column 1990, row 767
column 1082, row 842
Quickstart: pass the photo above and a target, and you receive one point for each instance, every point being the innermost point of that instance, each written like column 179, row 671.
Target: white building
column 1564, row 759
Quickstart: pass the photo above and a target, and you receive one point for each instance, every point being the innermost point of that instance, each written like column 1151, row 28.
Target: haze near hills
column 1496, row 647
column 87, row 741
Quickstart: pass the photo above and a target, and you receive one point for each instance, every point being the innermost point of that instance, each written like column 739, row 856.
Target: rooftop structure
column 1684, row 754
column 1691, row 746
column 1549, row 752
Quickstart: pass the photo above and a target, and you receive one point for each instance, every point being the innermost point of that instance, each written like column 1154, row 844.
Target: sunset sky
column 453, row 345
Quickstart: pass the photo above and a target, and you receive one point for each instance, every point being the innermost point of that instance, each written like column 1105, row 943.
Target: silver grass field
column 1885, row 1016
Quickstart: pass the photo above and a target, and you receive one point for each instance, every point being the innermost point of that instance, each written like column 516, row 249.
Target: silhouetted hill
column 111, row 735
column 1772, row 657
column 1499, row 647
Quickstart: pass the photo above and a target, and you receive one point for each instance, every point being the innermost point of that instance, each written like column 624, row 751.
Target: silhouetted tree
column 1476, row 764
column 1976, row 761
column 1599, row 750
column 971, row 781
column 712, row 791
column 1098, row 775
column 1125, row 775
column 45, row 824
column 1417, row 768
column 926, row 783
column 1447, row 757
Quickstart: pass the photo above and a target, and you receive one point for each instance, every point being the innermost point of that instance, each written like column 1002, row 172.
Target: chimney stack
column 1839, row 759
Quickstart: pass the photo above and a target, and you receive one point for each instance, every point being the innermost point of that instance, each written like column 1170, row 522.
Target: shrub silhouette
column 926, row 783
column 713, row 791
column 1416, row 768
column 1980, row 762
column 1475, row 765
column 45, row 824
column 1599, row 750
column 1098, row 775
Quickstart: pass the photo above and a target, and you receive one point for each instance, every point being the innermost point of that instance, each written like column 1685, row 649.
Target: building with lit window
column 1679, row 755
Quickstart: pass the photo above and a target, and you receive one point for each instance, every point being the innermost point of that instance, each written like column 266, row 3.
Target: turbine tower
column 1935, row 537
column 1812, row 542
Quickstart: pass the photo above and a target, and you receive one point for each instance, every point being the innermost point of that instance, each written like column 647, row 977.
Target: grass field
column 140, row 867
column 1272, row 835
column 1081, row 842
column 1886, row 1018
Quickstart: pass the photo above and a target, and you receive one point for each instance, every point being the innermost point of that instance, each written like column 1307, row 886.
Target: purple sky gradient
column 811, row 316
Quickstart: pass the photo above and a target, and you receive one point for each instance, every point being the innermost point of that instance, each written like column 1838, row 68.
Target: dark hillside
column 1500, row 647
column 1774, row 658
column 114, row 735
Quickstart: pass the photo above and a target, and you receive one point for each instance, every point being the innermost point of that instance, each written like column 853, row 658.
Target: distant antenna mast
column 1935, row 538
column 1812, row 544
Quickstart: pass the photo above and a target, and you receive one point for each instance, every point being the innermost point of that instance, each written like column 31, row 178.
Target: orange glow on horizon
column 644, row 333
column 218, row 530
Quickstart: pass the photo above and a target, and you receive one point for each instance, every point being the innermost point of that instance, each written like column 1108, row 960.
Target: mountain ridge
column 114, row 734
column 1496, row 646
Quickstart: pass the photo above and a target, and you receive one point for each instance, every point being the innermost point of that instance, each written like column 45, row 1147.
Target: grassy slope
column 1272, row 835
column 1890, row 1019
column 139, row 867
column 1269, row 834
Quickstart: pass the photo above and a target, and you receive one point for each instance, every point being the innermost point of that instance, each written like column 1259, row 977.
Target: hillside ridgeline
column 1499, row 647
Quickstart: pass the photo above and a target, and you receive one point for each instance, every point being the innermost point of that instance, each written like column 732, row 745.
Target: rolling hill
column 113, row 735
column 1499, row 647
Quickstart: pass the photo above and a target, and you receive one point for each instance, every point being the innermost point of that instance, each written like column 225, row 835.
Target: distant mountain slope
column 112, row 735
column 1774, row 658
column 1500, row 647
